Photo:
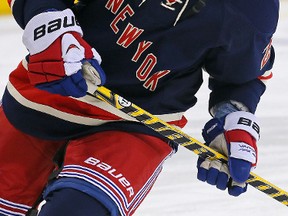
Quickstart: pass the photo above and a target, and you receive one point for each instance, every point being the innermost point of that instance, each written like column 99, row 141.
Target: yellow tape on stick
column 4, row 7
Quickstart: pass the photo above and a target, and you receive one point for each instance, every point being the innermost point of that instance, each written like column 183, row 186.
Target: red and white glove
column 234, row 136
column 57, row 52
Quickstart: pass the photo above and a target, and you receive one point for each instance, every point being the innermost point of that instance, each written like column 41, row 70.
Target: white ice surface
column 177, row 191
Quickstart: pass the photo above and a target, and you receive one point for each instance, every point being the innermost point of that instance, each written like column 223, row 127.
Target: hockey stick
column 176, row 135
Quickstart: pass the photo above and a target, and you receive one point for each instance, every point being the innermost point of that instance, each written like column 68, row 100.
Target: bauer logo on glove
column 56, row 58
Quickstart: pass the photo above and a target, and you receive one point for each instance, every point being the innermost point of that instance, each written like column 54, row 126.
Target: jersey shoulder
column 263, row 15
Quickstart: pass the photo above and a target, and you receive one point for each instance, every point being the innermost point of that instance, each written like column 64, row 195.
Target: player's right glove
column 234, row 136
column 57, row 52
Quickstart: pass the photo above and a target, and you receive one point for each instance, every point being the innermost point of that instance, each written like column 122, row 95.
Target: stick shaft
column 174, row 134
column 179, row 137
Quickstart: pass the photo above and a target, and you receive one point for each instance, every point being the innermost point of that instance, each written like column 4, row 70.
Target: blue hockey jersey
column 154, row 53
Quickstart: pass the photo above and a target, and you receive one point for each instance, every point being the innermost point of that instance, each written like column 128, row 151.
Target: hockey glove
column 234, row 136
column 57, row 52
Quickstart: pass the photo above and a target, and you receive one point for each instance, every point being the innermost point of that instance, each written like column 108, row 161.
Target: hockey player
column 86, row 158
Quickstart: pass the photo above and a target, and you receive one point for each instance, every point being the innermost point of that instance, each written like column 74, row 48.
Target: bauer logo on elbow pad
column 54, row 25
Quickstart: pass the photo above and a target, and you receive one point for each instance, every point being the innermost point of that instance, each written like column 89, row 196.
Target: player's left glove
column 57, row 52
column 234, row 136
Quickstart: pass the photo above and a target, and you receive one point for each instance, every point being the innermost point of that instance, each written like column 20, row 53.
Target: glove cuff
column 241, row 120
column 242, row 131
column 242, row 146
column 43, row 29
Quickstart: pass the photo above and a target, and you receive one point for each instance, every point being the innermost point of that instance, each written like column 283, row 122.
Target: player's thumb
column 239, row 169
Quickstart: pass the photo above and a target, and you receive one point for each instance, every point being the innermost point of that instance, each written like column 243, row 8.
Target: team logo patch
column 267, row 54
column 170, row 4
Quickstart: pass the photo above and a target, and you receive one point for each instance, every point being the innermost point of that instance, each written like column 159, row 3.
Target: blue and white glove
column 57, row 52
column 234, row 136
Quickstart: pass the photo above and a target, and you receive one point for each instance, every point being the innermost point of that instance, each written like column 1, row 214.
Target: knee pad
column 68, row 201
column 77, row 195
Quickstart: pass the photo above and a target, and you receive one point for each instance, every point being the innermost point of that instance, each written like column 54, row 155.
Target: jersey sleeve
column 245, row 55
column 24, row 10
